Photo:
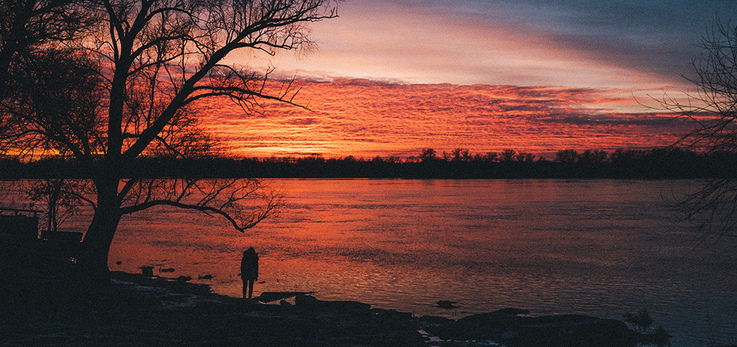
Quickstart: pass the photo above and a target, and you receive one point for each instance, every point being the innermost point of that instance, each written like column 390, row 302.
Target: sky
column 366, row 118
column 624, row 52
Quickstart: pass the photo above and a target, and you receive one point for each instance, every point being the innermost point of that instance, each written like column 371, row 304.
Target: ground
column 57, row 306
column 136, row 310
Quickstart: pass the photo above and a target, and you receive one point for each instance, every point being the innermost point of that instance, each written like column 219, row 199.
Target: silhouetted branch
column 216, row 198
column 714, row 109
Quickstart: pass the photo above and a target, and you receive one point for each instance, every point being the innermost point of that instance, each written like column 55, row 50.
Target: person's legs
column 250, row 288
column 245, row 286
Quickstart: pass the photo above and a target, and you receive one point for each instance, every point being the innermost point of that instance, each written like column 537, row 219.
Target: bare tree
column 53, row 105
column 155, row 59
column 27, row 25
column 713, row 208
column 28, row 30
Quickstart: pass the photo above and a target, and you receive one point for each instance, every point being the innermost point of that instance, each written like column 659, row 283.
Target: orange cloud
column 366, row 118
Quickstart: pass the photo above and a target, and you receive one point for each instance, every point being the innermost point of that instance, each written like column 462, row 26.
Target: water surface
column 597, row 247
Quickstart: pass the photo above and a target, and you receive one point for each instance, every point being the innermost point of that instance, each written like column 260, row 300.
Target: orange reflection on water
column 549, row 244
column 368, row 118
column 596, row 247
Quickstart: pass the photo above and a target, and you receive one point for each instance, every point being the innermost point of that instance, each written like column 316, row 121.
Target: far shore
column 663, row 163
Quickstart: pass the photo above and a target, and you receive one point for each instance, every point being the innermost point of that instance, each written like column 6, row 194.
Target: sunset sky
column 389, row 78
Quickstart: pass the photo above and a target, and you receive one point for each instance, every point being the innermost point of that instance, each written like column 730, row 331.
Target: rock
column 344, row 306
column 274, row 296
column 512, row 311
column 507, row 327
column 167, row 270
column 205, row 277
column 183, row 278
column 509, row 335
column 147, row 271
column 305, row 300
column 446, row 304
column 572, row 331
column 435, row 320
column 310, row 301
column 660, row 337
column 390, row 314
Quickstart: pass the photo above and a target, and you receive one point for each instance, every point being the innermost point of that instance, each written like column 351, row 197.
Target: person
column 249, row 271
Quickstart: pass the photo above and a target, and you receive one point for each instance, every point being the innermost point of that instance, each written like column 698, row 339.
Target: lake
column 595, row 247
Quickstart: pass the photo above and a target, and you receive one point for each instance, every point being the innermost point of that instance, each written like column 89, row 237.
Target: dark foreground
column 59, row 308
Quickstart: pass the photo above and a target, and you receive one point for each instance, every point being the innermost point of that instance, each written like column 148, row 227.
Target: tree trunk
column 99, row 236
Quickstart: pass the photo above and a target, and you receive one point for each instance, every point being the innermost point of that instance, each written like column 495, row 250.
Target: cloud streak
column 577, row 43
column 366, row 118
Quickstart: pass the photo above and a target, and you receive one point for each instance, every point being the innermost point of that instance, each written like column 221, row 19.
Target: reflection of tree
column 714, row 206
column 60, row 198
column 126, row 88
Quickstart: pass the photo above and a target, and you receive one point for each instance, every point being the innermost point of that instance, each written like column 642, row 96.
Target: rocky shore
column 132, row 309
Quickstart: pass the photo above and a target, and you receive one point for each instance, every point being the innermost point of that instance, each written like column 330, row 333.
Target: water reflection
column 594, row 247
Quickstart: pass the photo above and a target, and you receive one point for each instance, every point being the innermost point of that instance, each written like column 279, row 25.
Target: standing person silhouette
column 249, row 271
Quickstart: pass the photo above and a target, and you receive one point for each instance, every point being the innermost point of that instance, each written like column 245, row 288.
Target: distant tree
column 155, row 59
column 625, row 157
column 462, row 154
column 428, row 154
column 567, row 156
column 491, row 156
column 593, row 156
column 524, row 157
column 714, row 206
column 507, row 155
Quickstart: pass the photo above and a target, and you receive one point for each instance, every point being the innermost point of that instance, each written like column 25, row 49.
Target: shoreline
column 132, row 309
column 656, row 163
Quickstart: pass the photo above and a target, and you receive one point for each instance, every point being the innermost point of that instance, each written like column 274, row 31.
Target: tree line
column 660, row 163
